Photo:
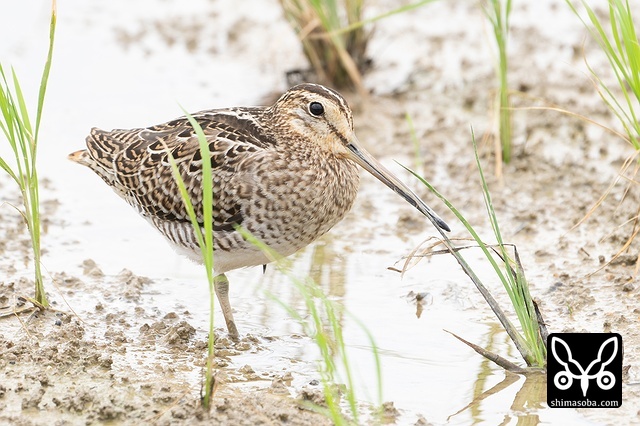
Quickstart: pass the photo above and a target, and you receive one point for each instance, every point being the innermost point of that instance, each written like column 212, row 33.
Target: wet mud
column 125, row 340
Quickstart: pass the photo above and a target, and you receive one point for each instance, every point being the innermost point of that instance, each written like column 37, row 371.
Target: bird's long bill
column 373, row 166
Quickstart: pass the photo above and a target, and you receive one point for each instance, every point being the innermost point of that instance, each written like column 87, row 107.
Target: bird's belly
column 284, row 237
column 231, row 249
column 282, row 232
column 285, row 217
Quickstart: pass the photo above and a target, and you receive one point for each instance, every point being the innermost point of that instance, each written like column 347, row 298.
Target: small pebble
column 628, row 287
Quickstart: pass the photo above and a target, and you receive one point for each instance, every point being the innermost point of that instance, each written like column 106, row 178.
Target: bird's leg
column 221, row 285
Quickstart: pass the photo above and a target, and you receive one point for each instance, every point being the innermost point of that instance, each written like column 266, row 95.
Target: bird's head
column 322, row 116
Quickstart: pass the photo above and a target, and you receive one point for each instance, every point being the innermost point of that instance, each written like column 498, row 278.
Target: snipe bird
column 286, row 173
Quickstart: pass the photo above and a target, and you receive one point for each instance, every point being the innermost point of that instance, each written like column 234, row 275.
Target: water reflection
column 425, row 372
column 326, row 270
column 524, row 409
column 527, row 401
column 318, row 265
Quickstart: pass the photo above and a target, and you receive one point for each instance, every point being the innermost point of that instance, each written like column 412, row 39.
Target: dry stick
column 502, row 362
column 573, row 114
column 426, row 252
column 544, row 333
column 508, row 326
column 543, row 327
column 606, row 193
column 635, row 220
column 10, row 310
column 308, row 35
column 64, row 299
column 634, row 173
column 155, row 419
column 625, row 166
column 618, row 254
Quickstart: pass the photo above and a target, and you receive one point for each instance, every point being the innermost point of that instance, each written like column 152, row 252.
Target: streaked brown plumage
column 286, row 173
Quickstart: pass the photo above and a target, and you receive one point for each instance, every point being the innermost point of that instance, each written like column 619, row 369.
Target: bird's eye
column 316, row 108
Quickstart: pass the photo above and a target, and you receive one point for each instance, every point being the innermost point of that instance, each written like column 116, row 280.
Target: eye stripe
column 338, row 134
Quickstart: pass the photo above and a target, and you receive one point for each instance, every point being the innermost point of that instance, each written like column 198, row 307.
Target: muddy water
column 425, row 371
column 116, row 69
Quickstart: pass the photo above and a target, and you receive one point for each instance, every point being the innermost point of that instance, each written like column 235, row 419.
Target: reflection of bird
column 286, row 173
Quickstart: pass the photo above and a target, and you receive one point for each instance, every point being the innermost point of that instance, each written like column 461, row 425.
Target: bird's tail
column 80, row 157
column 107, row 174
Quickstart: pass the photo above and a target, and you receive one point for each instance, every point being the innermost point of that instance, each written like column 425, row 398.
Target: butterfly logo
column 573, row 370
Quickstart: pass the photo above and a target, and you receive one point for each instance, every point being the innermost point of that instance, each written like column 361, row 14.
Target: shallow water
column 98, row 79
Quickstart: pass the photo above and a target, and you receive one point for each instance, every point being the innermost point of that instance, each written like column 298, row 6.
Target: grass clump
column 531, row 340
column 622, row 48
column 23, row 138
column 498, row 11
column 334, row 37
column 616, row 35
column 337, row 58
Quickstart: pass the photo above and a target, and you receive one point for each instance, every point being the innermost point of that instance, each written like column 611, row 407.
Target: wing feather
column 135, row 163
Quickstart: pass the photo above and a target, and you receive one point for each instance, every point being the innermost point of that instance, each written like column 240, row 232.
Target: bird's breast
column 298, row 200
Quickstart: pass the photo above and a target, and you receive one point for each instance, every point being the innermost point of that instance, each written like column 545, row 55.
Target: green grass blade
column 498, row 15
column 376, row 358
column 361, row 23
column 515, row 284
column 24, row 158
column 205, row 241
column 23, row 115
column 6, row 107
column 622, row 48
column 47, row 68
column 207, row 195
column 493, row 220
column 7, row 124
column 8, row 170
column 322, row 323
column 186, row 198
column 517, row 339
column 417, row 158
column 16, row 127
column 509, row 271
